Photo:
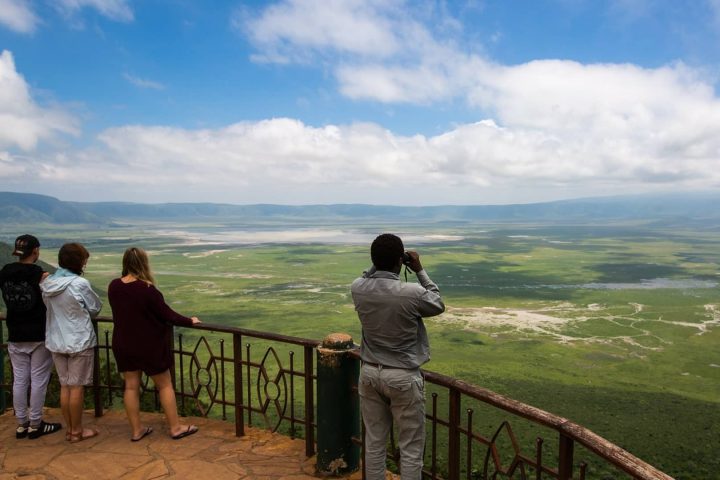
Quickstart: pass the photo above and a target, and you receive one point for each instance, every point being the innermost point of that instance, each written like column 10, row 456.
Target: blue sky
column 374, row 101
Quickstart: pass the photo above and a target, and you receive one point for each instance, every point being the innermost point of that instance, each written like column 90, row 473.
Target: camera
column 406, row 259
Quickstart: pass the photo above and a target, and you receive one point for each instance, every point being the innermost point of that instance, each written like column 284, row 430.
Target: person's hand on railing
column 195, row 320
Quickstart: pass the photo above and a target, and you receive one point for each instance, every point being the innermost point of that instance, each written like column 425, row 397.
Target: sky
column 358, row 101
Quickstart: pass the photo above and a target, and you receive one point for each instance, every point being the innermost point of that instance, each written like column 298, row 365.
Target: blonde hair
column 136, row 263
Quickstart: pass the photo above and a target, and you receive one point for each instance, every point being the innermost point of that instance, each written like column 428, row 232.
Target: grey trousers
column 32, row 365
column 387, row 396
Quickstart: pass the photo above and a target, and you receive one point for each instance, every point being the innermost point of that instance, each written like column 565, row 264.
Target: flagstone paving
column 214, row 452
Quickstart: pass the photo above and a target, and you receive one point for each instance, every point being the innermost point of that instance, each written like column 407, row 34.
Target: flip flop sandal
column 74, row 438
column 145, row 433
column 188, row 431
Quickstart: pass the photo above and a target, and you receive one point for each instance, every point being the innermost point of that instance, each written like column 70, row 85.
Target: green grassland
column 615, row 327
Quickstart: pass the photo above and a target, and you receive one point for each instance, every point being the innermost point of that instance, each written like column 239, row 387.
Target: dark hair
column 73, row 256
column 386, row 250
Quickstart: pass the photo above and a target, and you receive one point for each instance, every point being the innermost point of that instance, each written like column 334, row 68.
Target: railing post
column 309, row 403
column 565, row 467
column 454, row 435
column 538, row 458
column 96, row 376
column 237, row 375
column 338, row 406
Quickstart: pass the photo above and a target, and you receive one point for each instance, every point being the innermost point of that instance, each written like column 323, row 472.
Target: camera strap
column 406, row 273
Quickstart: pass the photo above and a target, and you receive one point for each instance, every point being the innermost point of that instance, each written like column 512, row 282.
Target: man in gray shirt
column 394, row 346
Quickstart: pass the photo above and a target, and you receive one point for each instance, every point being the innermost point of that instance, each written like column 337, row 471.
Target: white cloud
column 296, row 30
column 548, row 125
column 143, row 83
column 631, row 9
column 10, row 166
column 552, row 121
column 442, row 77
column 714, row 6
column 18, row 16
column 285, row 161
column 114, row 9
column 23, row 123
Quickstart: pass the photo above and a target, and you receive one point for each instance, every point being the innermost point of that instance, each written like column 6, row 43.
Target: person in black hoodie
column 31, row 361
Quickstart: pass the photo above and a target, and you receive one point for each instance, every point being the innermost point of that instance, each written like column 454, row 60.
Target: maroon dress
column 143, row 327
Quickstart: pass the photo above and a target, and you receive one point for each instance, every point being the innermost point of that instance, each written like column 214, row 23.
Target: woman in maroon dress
column 140, row 343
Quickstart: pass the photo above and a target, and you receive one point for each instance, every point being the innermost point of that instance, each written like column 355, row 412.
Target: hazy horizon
column 609, row 196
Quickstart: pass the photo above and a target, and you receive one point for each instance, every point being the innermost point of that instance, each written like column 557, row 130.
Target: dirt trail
column 552, row 321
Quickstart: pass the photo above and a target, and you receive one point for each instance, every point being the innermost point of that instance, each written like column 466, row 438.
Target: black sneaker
column 42, row 429
column 21, row 431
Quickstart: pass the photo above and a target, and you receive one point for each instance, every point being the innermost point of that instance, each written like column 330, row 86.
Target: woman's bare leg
column 163, row 383
column 131, row 400
column 76, row 399
column 65, row 406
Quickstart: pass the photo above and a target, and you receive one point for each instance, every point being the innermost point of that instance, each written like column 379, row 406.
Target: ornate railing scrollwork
column 273, row 391
column 492, row 452
column 204, row 378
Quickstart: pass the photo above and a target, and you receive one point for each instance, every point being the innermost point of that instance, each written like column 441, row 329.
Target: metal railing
column 269, row 379
column 462, row 439
column 248, row 387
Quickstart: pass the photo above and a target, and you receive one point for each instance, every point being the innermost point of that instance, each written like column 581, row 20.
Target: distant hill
column 678, row 208
column 7, row 257
column 33, row 208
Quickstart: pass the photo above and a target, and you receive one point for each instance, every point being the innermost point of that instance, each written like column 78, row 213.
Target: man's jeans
column 32, row 365
column 388, row 395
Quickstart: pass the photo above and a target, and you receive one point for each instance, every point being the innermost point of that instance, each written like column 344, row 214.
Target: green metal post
column 338, row 406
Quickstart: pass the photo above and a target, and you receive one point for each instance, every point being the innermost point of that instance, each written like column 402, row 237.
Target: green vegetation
column 615, row 327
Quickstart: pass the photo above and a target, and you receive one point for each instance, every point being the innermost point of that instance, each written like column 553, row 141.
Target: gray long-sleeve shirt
column 391, row 311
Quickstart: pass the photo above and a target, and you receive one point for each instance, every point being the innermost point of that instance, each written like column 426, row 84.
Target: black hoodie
column 19, row 283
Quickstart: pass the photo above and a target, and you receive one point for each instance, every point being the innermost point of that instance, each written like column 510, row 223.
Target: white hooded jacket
column 71, row 305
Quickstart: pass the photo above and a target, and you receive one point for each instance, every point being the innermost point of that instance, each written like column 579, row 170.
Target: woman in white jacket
column 71, row 305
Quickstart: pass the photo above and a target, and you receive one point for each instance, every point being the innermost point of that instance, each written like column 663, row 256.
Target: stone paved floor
column 213, row 453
